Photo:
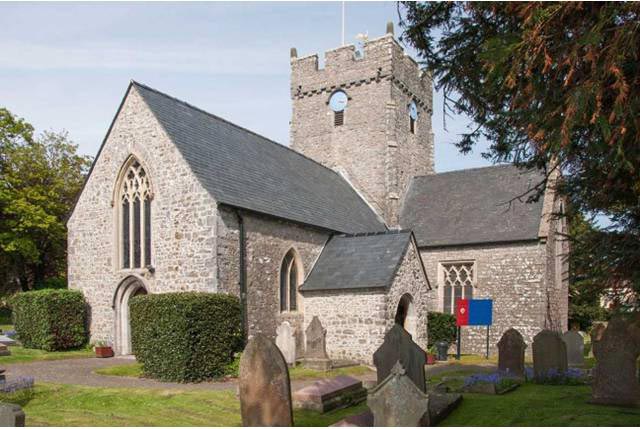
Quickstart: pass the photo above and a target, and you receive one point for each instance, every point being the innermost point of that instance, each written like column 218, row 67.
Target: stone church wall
column 356, row 320
column 513, row 275
column 183, row 220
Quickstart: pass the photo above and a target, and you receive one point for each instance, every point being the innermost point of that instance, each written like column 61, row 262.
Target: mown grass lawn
column 20, row 354
column 71, row 405
column 297, row 373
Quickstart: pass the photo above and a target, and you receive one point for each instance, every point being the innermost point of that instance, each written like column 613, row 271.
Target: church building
column 350, row 223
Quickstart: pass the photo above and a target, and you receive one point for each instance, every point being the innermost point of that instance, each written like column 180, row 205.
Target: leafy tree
column 40, row 179
column 553, row 86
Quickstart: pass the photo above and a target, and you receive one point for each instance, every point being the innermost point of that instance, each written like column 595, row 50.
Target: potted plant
column 103, row 350
column 431, row 355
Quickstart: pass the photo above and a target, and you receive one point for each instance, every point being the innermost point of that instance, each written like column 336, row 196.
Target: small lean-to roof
column 358, row 261
column 472, row 207
column 243, row 169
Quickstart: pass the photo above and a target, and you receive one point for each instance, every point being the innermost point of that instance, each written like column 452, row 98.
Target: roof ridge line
column 464, row 170
column 367, row 234
column 134, row 82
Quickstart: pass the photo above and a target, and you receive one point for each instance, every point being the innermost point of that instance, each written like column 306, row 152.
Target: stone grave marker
column 597, row 329
column 265, row 390
column 575, row 347
column 286, row 342
column 399, row 347
column 4, row 350
column 549, row 354
column 511, row 349
column 397, row 401
column 615, row 378
column 330, row 394
column 315, row 354
column 11, row 415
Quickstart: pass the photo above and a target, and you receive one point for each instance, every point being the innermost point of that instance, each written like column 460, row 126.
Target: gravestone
column 575, row 347
column 4, row 350
column 399, row 347
column 615, row 378
column 549, row 354
column 511, row 353
column 330, row 394
column 11, row 415
column 315, row 354
column 286, row 342
column 397, row 401
column 265, row 390
column 597, row 329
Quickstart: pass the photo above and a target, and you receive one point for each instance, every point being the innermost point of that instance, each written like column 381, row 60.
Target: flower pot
column 104, row 352
column 431, row 359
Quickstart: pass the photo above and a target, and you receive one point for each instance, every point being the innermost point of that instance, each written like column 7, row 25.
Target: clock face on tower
column 413, row 110
column 338, row 101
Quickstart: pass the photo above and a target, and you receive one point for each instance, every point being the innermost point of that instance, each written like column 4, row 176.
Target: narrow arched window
column 135, row 217
column 458, row 281
column 289, row 282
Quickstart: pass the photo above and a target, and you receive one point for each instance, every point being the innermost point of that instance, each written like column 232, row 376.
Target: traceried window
column 289, row 279
column 458, row 281
column 135, row 217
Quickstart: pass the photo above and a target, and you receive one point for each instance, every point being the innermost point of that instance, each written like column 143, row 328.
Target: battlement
column 379, row 59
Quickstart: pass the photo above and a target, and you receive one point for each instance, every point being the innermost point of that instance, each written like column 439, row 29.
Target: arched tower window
column 135, row 217
column 289, row 282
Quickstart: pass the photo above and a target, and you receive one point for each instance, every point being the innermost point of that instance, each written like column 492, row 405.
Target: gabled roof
column 472, row 206
column 358, row 261
column 243, row 169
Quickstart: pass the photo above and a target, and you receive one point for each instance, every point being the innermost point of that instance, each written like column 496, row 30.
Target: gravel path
column 81, row 371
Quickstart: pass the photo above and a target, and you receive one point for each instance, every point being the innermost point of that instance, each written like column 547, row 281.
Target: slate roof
column 358, row 261
column 243, row 169
column 471, row 206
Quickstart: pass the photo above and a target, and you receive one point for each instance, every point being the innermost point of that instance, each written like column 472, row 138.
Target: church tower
column 367, row 115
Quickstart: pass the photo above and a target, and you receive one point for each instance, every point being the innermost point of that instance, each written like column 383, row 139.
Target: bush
column 441, row 327
column 50, row 319
column 186, row 336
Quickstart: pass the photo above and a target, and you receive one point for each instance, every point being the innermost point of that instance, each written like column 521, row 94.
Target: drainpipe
column 243, row 274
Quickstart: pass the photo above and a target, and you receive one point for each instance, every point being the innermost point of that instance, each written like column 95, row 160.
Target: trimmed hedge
column 441, row 327
column 50, row 319
column 185, row 336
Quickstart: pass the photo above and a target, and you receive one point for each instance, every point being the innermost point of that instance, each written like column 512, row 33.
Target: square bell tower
column 366, row 115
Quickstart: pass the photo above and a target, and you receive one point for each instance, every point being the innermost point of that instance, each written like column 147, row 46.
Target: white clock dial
column 338, row 101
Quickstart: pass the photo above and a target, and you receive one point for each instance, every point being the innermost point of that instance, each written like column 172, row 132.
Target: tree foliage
column 40, row 179
column 553, row 86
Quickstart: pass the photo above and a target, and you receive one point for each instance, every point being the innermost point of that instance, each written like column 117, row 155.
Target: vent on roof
column 338, row 118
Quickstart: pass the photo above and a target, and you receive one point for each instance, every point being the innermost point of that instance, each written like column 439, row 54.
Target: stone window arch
column 133, row 203
column 290, row 280
column 457, row 281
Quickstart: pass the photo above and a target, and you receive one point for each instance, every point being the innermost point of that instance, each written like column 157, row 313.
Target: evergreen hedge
column 441, row 327
column 50, row 319
column 185, row 336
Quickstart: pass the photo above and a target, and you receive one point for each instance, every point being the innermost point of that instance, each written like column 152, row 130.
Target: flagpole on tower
column 342, row 23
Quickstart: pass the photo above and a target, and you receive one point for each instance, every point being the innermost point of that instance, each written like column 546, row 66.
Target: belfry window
column 135, row 217
column 458, row 281
column 289, row 282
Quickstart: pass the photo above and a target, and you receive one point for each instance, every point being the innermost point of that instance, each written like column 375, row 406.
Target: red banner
column 462, row 312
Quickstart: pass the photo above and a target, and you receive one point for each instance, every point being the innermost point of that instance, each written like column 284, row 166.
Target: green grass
column 70, row 405
column 20, row 355
column 297, row 373
column 538, row 405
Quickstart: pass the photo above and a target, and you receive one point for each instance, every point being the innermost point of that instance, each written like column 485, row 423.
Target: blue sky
column 67, row 65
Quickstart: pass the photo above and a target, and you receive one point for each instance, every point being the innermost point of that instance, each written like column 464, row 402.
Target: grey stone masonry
column 375, row 148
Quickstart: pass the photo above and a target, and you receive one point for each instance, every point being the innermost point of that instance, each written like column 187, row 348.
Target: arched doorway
column 130, row 287
column 406, row 315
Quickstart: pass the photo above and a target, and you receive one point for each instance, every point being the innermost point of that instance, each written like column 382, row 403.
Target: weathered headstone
column 549, row 354
column 511, row 352
column 615, row 378
column 330, row 394
column 575, row 347
column 597, row 329
column 265, row 390
column 286, row 342
column 4, row 350
column 315, row 354
column 397, row 401
column 11, row 415
column 399, row 347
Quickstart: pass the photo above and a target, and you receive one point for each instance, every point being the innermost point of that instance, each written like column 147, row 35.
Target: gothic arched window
column 458, row 281
column 289, row 282
column 135, row 217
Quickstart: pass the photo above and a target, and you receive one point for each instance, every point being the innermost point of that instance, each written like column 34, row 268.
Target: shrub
column 50, row 319
column 185, row 336
column 441, row 327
